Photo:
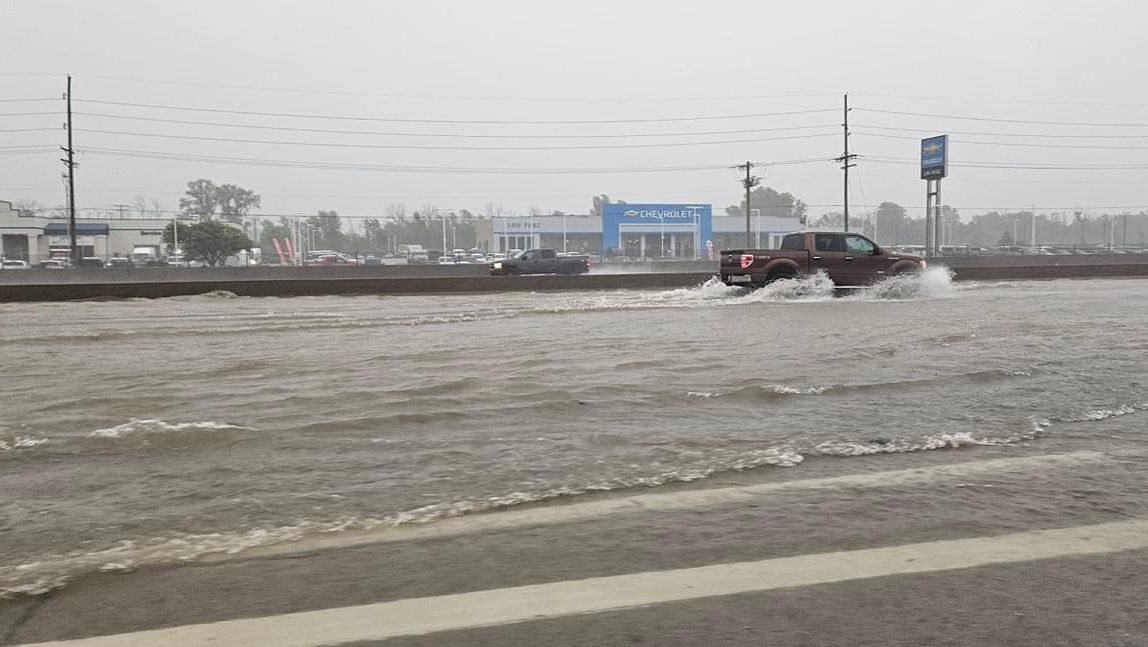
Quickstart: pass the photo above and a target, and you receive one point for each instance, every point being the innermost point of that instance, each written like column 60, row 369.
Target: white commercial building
column 28, row 236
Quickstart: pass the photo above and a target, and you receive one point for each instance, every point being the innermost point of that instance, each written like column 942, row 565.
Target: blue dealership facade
column 634, row 230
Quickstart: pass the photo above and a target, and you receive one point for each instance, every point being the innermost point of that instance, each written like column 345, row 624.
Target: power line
column 1018, row 165
column 30, row 114
column 1007, row 121
column 437, row 97
column 1001, row 101
column 37, row 150
column 26, row 100
column 412, row 169
column 1018, row 144
column 999, row 134
column 455, row 121
column 387, row 168
column 471, row 148
column 459, row 135
column 26, row 130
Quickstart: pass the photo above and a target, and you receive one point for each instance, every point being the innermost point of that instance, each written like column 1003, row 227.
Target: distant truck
column 540, row 261
column 144, row 254
column 850, row 260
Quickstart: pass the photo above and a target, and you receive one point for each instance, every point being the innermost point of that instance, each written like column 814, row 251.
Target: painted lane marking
column 419, row 616
column 508, row 519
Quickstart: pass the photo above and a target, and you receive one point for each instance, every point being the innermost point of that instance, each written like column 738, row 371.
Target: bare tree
column 139, row 203
column 491, row 210
column 396, row 212
column 27, row 205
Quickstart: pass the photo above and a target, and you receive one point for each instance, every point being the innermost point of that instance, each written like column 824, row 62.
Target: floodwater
column 146, row 431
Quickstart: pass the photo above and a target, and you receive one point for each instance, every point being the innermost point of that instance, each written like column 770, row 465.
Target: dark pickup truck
column 541, row 261
column 850, row 260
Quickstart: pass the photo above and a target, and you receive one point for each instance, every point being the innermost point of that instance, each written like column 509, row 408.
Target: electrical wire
column 1006, row 121
column 434, row 97
column 1017, row 165
column 470, row 148
column 997, row 101
column 409, row 169
column 459, row 135
column 26, row 130
column 1017, row 144
column 384, row 167
column 454, row 121
column 29, row 114
column 999, row 134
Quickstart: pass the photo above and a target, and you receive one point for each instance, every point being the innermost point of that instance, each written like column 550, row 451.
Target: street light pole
column 1032, row 210
column 444, row 248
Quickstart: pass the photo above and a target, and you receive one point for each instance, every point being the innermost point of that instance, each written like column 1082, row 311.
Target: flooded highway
column 149, row 431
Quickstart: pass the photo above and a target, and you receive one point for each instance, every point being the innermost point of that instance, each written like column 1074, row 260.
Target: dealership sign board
column 935, row 157
column 695, row 218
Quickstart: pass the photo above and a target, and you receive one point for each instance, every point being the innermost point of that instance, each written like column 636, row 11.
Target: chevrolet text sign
column 935, row 157
column 692, row 218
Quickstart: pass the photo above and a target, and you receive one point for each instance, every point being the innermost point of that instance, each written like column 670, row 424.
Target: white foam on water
column 148, row 426
column 1116, row 412
column 795, row 390
column 10, row 442
column 934, row 283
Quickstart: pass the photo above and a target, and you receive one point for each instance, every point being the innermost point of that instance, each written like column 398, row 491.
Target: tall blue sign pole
column 934, row 166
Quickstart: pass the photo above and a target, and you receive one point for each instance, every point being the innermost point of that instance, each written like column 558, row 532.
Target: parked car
column 119, row 262
column 91, row 262
column 849, row 259
column 447, row 260
column 53, row 264
column 330, row 260
column 541, row 261
column 372, row 260
column 13, row 265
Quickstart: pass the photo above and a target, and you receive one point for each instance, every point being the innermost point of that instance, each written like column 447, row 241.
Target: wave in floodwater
column 782, row 391
column 52, row 572
column 933, row 283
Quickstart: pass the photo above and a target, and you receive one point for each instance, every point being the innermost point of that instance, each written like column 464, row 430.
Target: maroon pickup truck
column 850, row 260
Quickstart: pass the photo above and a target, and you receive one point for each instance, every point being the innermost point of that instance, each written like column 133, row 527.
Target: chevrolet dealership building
column 637, row 231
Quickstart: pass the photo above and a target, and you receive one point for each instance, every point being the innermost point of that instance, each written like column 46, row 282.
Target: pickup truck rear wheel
column 777, row 275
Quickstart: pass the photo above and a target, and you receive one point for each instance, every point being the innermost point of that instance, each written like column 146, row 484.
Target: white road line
column 658, row 502
column 539, row 601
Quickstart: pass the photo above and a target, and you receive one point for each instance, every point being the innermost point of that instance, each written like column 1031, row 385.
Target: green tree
column 235, row 202
column 771, row 205
column 210, row 242
column 1006, row 240
column 182, row 237
column 892, row 223
column 205, row 200
column 833, row 219
column 200, row 200
column 269, row 231
column 328, row 230
column 599, row 204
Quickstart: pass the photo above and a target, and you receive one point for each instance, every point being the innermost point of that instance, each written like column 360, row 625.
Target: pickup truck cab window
column 793, row 242
column 529, row 255
column 548, row 253
column 859, row 244
column 829, row 243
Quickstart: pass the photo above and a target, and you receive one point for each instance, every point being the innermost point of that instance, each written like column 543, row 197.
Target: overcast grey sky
column 586, row 60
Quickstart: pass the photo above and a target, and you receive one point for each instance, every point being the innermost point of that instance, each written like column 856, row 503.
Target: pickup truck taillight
column 746, row 260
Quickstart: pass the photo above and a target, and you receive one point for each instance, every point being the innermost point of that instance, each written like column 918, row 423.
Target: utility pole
column 846, row 160
column 73, row 249
column 749, row 182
